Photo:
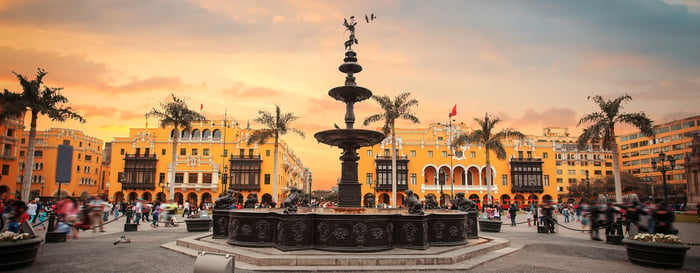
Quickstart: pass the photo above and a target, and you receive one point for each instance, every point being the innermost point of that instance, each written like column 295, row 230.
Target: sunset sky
column 532, row 63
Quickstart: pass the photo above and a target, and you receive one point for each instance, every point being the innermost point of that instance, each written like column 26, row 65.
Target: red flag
column 454, row 111
column 201, row 106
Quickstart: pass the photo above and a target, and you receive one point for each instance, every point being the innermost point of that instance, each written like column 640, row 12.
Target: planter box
column 614, row 239
column 198, row 224
column 131, row 227
column 19, row 253
column 655, row 254
column 490, row 225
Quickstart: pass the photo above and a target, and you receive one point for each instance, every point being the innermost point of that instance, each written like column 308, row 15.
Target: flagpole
column 452, row 153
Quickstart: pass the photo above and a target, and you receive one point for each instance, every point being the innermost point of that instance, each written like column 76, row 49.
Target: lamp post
column 442, row 195
column 663, row 169
column 649, row 180
column 225, row 178
column 588, row 185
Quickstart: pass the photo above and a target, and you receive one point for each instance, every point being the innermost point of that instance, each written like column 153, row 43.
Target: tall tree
column 35, row 98
column 399, row 108
column 492, row 141
column 276, row 125
column 175, row 113
column 601, row 129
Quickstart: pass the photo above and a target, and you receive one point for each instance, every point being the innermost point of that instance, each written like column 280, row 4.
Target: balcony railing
column 245, row 187
column 388, row 157
column 530, row 159
column 387, row 187
column 145, row 156
column 245, row 156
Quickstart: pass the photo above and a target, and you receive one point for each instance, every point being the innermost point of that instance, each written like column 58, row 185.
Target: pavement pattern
column 565, row 251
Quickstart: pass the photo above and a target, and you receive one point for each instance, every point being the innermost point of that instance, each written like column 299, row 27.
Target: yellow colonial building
column 426, row 161
column 212, row 156
column 85, row 179
column 11, row 131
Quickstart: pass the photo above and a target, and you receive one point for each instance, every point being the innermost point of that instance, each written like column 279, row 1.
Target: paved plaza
column 565, row 251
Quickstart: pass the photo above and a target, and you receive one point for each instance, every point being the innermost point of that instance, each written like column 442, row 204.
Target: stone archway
column 4, row 190
column 533, row 199
column 505, row 199
column 146, row 196
column 84, row 195
column 160, row 196
column 179, row 199
column 266, row 199
column 192, row 198
column 119, row 197
column 206, row 197
column 133, row 196
column 366, row 202
column 547, row 197
column 385, row 199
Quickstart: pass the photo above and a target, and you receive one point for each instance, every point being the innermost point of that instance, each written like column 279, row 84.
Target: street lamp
column 442, row 195
column 649, row 180
column 663, row 168
column 225, row 178
column 588, row 185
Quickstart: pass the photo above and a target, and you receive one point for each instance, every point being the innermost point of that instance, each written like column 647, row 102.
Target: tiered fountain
column 349, row 228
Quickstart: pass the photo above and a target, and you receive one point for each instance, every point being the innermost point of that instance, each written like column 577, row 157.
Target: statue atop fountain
column 349, row 139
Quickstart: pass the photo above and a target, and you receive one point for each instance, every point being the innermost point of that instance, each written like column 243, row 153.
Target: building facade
column 576, row 168
column 11, row 131
column 674, row 139
column 426, row 164
column 212, row 156
column 86, row 163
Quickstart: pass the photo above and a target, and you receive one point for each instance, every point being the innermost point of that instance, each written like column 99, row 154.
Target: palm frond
column 638, row 120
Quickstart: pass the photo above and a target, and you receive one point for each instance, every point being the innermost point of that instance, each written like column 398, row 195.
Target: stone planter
column 490, row 225
column 16, row 254
column 198, row 224
column 655, row 254
column 614, row 239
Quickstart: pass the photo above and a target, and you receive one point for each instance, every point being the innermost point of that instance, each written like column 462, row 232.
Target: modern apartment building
column 212, row 156
column 86, row 163
column 673, row 139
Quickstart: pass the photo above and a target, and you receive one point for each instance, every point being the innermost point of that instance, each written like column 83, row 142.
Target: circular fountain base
column 347, row 230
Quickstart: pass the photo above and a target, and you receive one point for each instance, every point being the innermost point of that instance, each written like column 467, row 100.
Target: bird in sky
column 371, row 17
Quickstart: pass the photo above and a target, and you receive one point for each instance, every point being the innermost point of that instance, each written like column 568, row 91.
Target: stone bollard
column 214, row 263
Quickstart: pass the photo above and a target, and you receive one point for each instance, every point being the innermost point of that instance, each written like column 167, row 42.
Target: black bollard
column 51, row 235
column 129, row 226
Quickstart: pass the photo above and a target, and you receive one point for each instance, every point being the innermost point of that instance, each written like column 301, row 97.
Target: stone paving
column 565, row 251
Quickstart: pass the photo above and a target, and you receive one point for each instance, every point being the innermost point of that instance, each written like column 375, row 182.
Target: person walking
column 156, row 212
column 138, row 210
column 528, row 216
column 31, row 210
column 566, row 213
column 186, row 210
column 105, row 212
column 513, row 210
column 117, row 208
column 97, row 206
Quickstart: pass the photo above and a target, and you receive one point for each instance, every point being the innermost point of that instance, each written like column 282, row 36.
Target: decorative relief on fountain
column 263, row 228
column 439, row 228
column 298, row 229
column 454, row 231
column 246, row 230
column 359, row 229
column 425, row 232
column 322, row 231
column 409, row 231
column 280, row 233
column 233, row 229
column 222, row 225
column 340, row 233
column 389, row 231
column 377, row 233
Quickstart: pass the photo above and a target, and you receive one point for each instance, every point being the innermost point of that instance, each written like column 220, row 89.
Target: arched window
column 185, row 134
column 196, row 134
column 216, row 134
column 173, row 132
column 206, row 133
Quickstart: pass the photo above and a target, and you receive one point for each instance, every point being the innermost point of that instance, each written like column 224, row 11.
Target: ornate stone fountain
column 349, row 228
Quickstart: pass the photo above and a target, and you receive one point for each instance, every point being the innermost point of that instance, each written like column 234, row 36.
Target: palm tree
column 37, row 99
column 276, row 125
column 601, row 129
column 491, row 142
column 400, row 108
column 175, row 113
